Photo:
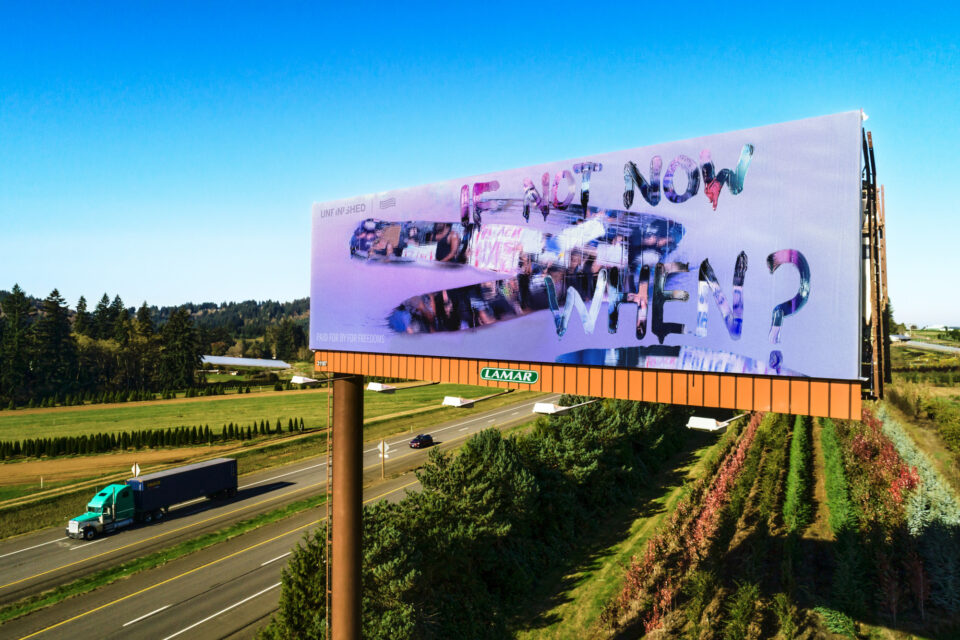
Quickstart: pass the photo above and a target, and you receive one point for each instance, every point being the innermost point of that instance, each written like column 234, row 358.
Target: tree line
column 141, row 439
column 50, row 353
column 45, row 355
column 249, row 329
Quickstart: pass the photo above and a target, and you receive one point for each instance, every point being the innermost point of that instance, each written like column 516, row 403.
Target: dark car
column 421, row 441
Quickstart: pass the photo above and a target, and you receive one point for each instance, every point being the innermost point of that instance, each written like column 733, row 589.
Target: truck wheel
column 148, row 517
column 158, row 515
column 89, row 533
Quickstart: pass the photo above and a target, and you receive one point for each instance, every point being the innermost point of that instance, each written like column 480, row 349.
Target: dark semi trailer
column 147, row 498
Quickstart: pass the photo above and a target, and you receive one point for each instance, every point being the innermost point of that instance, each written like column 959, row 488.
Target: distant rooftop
column 228, row 361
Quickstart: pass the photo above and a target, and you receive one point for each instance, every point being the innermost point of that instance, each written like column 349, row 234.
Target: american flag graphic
column 389, row 202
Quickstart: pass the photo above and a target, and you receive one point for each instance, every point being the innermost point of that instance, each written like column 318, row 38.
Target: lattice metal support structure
column 875, row 361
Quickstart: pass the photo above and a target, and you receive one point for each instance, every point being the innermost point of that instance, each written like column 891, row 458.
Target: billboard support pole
column 347, row 507
column 887, row 370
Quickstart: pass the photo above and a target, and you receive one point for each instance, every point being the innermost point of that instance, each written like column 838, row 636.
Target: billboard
column 734, row 253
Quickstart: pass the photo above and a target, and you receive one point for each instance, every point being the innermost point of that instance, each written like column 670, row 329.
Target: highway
column 929, row 346
column 218, row 592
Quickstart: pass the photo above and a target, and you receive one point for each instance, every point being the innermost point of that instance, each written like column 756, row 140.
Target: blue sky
column 171, row 152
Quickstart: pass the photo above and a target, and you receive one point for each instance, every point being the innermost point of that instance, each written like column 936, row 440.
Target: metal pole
column 347, row 507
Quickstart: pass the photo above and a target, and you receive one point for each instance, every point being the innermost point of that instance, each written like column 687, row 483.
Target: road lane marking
column 282, row 475
column 146, row 615
column 233, row 606
column 214, row 517
column 33, row 547
column 464, row 429
column 195, row 569
column 86, row 544
column 263, row 564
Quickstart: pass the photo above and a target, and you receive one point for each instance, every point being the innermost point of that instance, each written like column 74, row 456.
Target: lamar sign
column 509, row 375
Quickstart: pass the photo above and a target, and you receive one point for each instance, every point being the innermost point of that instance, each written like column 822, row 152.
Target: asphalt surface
column 225, row 591
column 929, row 346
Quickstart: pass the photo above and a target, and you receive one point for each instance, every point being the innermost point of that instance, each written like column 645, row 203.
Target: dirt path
column 819, row 529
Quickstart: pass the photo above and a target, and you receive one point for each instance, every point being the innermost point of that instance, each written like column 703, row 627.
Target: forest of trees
column 49, row 352
column 251, row 329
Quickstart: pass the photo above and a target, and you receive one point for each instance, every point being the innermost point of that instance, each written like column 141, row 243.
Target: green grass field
column 216, row 411
column 905, row 357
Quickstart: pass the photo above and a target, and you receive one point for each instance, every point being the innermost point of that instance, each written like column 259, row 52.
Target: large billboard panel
column 734, row 253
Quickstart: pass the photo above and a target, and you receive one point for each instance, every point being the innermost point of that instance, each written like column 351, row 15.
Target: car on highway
column 421, row 441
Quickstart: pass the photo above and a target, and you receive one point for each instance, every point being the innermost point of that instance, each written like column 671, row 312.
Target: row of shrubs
column 933, row 520
column 702, row 519
column 916, row 403
column 142, row 439
column 938, row 377
column 880, row 566
column 797, row 508
column 695, row 580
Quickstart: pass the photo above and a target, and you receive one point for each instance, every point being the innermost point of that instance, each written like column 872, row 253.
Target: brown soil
column 86, row 466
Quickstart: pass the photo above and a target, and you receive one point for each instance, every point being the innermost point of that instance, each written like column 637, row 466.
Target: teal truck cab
column 112, row 508
column 147, row 498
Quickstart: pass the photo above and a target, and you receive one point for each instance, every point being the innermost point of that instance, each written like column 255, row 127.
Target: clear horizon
column 173, row 155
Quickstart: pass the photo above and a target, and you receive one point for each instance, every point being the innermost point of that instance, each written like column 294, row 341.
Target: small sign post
column 383, row 447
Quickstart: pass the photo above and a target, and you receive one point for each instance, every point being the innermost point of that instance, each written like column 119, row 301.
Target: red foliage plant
column 679, row 546
column 879, row 477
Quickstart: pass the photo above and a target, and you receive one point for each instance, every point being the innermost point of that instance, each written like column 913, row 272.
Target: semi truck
column 148, row 498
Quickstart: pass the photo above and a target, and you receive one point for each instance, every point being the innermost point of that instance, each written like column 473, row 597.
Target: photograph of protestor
column 542, row 266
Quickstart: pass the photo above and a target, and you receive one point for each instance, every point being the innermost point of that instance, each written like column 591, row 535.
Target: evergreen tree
column 56, row 361
column 179, row 351
column 17, row 347
column 123, row 328
column 286, row 337
column 145, row 326
column 115, row 312
column 102, row 321
column 81, row 323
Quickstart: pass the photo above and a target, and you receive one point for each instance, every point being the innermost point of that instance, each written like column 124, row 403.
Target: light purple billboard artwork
column 735, row 253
